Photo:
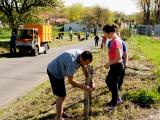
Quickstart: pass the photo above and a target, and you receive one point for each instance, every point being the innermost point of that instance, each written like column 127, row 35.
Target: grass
column 4, row 47
column 65, row 41
column 149, row 47
column 143, row 97
column 39, row 104
column 5, row 34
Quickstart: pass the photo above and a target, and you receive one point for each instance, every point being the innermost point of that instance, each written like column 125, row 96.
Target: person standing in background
column 13, row 43
column 70, row 34
column 96, row 39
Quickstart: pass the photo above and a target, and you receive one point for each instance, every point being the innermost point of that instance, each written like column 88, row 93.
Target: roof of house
column 60, row 20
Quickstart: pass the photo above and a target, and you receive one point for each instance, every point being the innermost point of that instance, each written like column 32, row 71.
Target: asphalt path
column 21, row 74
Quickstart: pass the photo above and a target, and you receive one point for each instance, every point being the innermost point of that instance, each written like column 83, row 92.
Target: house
column 60, row 21
column 144, row 30
column 79, row 27
column 75, row 26
column 157, row 30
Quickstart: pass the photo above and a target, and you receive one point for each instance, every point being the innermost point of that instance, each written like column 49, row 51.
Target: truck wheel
column 21, row 52
column 35, row 51
column 45, row 52
column 46, row 48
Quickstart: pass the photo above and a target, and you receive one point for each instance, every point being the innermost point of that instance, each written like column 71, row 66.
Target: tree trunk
column 148, row 4
column 95, row 29
column 148, row 17
column 15, row 30
column 158, row 13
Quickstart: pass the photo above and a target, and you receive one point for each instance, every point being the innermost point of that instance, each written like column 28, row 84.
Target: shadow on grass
column 10, row 55
column 50, row 116
column 47, row 117
column 15, row 55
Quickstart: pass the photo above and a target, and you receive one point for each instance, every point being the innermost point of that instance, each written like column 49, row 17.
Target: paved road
column 19, row 75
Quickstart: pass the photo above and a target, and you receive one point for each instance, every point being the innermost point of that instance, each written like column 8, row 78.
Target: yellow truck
column 34, row 39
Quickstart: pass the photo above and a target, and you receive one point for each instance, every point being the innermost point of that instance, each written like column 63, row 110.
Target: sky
column 126, row 6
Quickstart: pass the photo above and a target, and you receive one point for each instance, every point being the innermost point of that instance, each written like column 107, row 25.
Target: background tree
column 108, row 16
column 59, row 12
column 97, row 17
column 88, row 19
column 156, row 10
column 151, row 11
column 119, row 18
column 3, row 19
column 74, row 12
column 145, row 6
column 17, row 10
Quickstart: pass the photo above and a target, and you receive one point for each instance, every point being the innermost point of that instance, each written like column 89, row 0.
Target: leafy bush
column 143, row 97
column 126, row 33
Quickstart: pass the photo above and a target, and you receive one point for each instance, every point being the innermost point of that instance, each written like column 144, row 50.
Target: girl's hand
column 93, row 86
column 88, row 88
column 125, row 66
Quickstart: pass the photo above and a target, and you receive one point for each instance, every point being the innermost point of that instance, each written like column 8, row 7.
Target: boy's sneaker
column 119, row 101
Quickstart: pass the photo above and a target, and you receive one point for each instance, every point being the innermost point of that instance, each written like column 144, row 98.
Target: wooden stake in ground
column 88, row 95
column 103, row 55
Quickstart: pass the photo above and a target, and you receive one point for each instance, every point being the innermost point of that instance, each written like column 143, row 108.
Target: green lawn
column 149, row 46
column 5, row 34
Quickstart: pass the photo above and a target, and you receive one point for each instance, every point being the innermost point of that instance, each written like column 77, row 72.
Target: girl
column 115, row 64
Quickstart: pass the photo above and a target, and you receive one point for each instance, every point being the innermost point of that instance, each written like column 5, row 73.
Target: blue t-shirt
column 124, row 47
column 65, row 64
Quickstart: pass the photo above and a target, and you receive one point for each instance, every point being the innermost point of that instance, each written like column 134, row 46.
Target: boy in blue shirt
column 65, row 65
